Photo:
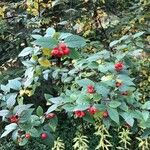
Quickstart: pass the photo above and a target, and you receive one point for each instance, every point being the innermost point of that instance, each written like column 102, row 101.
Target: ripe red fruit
column 55, row 51
column 13, row 119
column 60, row 53
column 50, row 116
column 119, row 66
column 66, row 51
column 92, row 110
column 118, row 84
column 125, row 93
column 90, row 89
column 62, row 46
column 27, row 135
column 105, row 114
column 79, row 113
column 44, row 136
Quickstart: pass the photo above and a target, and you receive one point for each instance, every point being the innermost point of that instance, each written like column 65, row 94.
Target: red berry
column 118, row 84
column 27, row 135
column 79, row 114
column 55, row 51
column 90, row 89
column 119, row 66
column 92, row 110
column 50, row 116
column 66, row 51
column 44, row 136
column 60, row 53
column 125, row 93
column 13, row 119
column 62, row 46
column 105, row 114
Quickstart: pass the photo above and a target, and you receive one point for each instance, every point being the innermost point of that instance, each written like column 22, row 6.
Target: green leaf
column 104, row 91
column 39, row 111
column 89, row 118
column 114, row 104
column 5, row 88
column 46, row 42
column 113, row 114
column 138, row 34
column 14, row 84
column 146, row 105
column 52, row 108
column 85, row 82
column 20, row 108
column 53, row 123
column 4, row 113
column 81, row 106
column 145, row 115
column 48, row 97
column 50, row 32
column 26, row 51
column 35, row 120
column 9, row 128
column 128, row 118
column 75, row 41
column 74, row 54
column 25, row 115
column 34, row 132
column 11, row 100
column 113, row 43
column 23, row 142
column 100, row 107
column 36, row 36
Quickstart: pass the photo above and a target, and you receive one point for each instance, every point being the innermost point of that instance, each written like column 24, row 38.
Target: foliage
column 95, row 88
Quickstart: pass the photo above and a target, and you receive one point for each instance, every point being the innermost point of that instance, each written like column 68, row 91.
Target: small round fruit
column 119, row 66
column 105, row 114
column 62, row 46
column 66, row 51
column 92, row 110
column 125, row 93
column 44, row 136
column 50, row 116
column 90, row 89
column 27, row 135
column 79, row 113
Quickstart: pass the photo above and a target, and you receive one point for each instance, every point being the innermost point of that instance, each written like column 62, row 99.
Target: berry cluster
column 60, row 50
column 13, row 119
column 90, row 89
column 119, row 66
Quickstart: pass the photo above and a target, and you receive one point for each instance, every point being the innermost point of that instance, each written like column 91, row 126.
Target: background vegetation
column 99, row 21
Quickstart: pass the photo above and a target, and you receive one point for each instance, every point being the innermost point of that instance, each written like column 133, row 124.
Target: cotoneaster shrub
column 95, row 88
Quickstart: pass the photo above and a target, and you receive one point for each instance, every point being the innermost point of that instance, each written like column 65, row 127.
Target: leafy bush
column 94, row 88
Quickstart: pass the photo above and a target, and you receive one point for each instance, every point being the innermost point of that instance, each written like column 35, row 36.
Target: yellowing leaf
column 44, row 62
column 46, row 51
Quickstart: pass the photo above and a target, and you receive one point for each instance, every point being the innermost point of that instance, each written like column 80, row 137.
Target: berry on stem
column 92, row 110
column 119, row 66
column 44, row 136
column 27, row 135
column 79, row 113
column 90, row 89
column 50, row 116
column 105, row 114
column 13, row 119
column 125, row 93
